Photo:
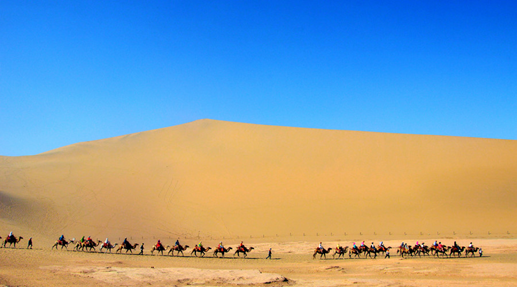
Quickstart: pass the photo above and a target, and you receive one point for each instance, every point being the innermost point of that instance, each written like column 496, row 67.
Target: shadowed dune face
column 218, row 178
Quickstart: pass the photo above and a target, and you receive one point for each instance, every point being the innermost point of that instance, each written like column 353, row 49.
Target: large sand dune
column 223, row 179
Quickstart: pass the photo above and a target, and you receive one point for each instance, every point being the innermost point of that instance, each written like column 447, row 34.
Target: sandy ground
column 292, row 265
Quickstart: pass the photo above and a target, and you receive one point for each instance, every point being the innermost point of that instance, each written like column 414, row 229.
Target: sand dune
column 212, row 179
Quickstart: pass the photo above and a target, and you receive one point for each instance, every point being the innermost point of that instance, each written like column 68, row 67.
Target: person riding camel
column 220, row 246
column 177, row 243
column 382, row 245
column 362, row 245
column 456, row 245
column 338, row 247
column 321, row 247
column 440, row 246
column 62, row 239
column 402, row 244
column 125, row 243
column 200, row 245
column 10, row 236
column 435, row 244
column 373, row 246
column 241, row 246
column 422, row 245
column 354, row 246
column 89, row 240
column 471, row 246
column 106, row 242
column 159, row 245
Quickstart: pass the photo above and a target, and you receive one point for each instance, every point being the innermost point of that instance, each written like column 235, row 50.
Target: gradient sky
column 73, row 71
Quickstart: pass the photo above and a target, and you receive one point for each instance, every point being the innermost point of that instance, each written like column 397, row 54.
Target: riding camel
column 340, row 252
column 422, row 250
column 321, row 252
column 108, row 246
column 405, row 251
column 443, row 251
column 457, row 250
column 178, row 249
column 89, row 245
column 472, row 250
column 200, row 250
column 355, row 251
column 222, row 251
column 242, row 250
column 62, row 243
column 383, row 249
column 369, row 252
column 127, row 246
column 12, row 240
column 159, row 249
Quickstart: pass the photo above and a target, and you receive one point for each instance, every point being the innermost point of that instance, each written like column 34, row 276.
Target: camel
column 63, row 243
column 178, row 249
column 437, row 251
column 221, row 250
column 422, row 250
column 242, row 250
column 357, row 252
column 108, row 247
column 12, row 240
column 89, row 245
column 158, row 249
column 383, row 249
column 369, row 252
column 403, row 250
column 472, row 250
column 199, row 250
column 457, row 250
column 127, row 246
column 340, row 252
column 433, row 249
column 321, row 252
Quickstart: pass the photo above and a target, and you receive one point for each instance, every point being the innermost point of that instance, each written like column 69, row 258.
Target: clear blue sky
column 73, row 71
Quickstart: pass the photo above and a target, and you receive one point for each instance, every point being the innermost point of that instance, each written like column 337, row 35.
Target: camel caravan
column 437, row 249
column 90, row 245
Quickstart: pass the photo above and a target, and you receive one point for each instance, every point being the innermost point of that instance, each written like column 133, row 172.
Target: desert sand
column 284, row 187
column 291, row 265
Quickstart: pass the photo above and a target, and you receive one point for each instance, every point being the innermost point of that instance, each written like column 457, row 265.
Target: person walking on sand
column 269, row 254
column 141, row 249
column 387, row 254
column 29, row 245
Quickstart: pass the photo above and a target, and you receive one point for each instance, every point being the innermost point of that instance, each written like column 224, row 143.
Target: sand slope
column 215, row 178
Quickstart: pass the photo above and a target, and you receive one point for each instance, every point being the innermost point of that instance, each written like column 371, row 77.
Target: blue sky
column 73, row 71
